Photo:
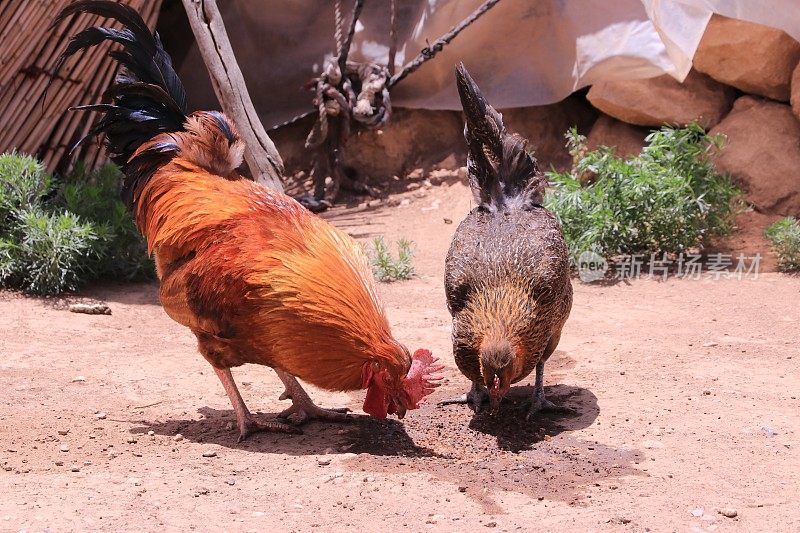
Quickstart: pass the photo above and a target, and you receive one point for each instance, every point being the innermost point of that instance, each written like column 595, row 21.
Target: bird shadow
column 360, row 434
column 515, row 434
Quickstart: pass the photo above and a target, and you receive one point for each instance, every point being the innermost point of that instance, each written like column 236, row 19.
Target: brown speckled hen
column 507, row 275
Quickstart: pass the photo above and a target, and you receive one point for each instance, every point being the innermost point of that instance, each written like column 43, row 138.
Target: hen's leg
column 247, row 424
column 476, row 397
column 540, row 403
column 302, row 407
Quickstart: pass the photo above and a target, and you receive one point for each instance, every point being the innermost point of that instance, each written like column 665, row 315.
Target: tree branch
column 261, row 155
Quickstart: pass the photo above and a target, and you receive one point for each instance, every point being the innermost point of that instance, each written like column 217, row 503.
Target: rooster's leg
column 247, row 424
column 476, row 397
column 302, row 407
column 540, row 403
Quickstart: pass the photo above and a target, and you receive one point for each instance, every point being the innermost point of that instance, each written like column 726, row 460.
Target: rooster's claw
column 251, row 426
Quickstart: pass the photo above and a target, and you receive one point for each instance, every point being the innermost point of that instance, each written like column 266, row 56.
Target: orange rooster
column 255, row 276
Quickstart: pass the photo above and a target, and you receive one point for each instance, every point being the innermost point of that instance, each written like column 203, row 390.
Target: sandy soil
column 686, row 399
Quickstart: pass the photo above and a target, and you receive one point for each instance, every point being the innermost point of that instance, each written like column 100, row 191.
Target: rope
column 430, row 51
column 382, row 112
column 392, row 37
column 337, row 28
column 344, row 51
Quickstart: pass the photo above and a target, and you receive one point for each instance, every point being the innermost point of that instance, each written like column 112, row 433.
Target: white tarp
column 522, row 53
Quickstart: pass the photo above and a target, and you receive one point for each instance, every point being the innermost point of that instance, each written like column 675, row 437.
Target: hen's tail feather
column 147, row 96
column 501, row 171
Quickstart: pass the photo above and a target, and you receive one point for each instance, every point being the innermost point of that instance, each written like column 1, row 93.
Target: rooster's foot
column 303, row 412
column 475, row 398
column 303, row 409
column 250, row 426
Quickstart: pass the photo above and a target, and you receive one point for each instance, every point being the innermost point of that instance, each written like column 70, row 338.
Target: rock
column 709, row 344
column 728, row 512
column 230, row 482
column 462, row 489
column 697, row 512
column 131, row 440
column 754, row 58
column 78, row 379
column 178, row 437
column 663, row 100
column 794, row 98
column 75, row 468
column 762, row 153
column 64, row 447
column 209, row 453
column 100, row 416
column 90, row 309
column 626, row 139
column 63, row 431
column 151, row 433
column 323, row 461
column 768, row 431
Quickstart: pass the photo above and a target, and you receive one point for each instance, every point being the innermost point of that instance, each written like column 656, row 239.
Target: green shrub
column 121, row 253
column 55, row 235
column 23, row 184
column 665, row 200
column 48, row 253
column 385, row 267
column 785, row 237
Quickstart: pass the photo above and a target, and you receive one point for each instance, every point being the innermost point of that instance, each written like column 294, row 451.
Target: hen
column 507, row 276
column 255, row 276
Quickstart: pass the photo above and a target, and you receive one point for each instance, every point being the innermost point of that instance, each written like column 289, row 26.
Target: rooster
column 507, row 276
column 255, row 276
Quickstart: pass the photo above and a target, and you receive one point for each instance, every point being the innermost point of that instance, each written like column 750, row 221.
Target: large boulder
column 663, row 100
column 795, row 96
column 626, row 140
column 762, row 153
column 754, row 58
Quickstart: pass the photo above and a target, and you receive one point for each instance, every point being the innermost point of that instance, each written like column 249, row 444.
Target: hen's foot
column 475, row 398
column 250, row 426
column 540, row 404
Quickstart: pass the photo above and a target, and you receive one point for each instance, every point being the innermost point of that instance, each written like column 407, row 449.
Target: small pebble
column 151, row 433
column 100, row 416
column 131, row 440
column 728, row 512
column 78, row 379
column 230, row 482
column 697, row 512
column 462, row 489
column 64, row 447
column 63, row 431
column 59, row 463
column 323, row 462
column 706, row 392
column 209, row 453
column 178, row 437
column 709, row 344
column 490, row 524
column 75, row 468
column 769, row 431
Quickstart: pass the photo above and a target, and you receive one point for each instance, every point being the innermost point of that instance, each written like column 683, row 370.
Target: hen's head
column 390, row 392
column 497, row 370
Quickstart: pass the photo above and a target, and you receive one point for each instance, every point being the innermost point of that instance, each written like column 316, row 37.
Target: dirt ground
column 685, row 392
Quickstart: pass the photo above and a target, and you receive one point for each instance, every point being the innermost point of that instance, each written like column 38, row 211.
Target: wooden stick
column 261, row 154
